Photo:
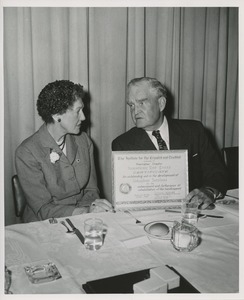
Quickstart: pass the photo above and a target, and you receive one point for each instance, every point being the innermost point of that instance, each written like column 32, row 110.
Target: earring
column 59, row 120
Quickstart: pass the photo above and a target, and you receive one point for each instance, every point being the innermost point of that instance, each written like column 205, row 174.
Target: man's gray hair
column 153, row 83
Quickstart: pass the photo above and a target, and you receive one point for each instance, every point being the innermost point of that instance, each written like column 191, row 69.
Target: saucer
column 161, row 237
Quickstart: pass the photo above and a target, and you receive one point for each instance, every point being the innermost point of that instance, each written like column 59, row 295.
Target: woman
column 55, row 165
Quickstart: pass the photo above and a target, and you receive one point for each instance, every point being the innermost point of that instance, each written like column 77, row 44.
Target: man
column 147, row 100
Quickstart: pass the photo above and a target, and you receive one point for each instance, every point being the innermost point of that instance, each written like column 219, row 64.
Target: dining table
column 212, row 267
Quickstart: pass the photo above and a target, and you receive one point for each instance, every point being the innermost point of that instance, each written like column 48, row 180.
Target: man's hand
column 101, row 205
column 204, row 197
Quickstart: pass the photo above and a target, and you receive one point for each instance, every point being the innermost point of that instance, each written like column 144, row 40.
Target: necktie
column 161, row 143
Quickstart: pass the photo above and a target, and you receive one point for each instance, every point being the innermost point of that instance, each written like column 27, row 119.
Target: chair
column 231, row 159
column 19, row 197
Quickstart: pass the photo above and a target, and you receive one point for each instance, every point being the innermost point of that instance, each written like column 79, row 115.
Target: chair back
column 231, row 159
column 19, row 197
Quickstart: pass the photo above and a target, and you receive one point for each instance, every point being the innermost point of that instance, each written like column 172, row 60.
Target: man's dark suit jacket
column 205, row 165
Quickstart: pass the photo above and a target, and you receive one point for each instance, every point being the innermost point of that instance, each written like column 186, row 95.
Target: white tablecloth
column 213, row 267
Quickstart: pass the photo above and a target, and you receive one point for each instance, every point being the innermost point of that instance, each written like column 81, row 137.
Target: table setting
column 59, row 256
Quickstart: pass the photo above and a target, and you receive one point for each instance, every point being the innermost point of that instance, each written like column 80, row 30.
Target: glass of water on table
column 189, row 211
column 93, row 233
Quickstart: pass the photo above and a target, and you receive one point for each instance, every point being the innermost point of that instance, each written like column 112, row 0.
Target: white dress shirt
column 164, row 131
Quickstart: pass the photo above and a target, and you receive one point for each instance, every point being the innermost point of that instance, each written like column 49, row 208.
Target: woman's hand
column 80, row 210
column 101, row 205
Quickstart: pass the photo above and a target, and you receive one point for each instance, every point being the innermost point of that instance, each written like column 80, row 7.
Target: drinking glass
column 184, row 237
column 93, row 233
column 189, row 211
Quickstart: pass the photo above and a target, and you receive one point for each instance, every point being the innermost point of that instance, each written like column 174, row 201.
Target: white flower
column 54, row 156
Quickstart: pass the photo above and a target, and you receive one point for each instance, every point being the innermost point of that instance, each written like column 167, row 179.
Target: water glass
column 189, row 211
column 93, row 233
column 184, row 237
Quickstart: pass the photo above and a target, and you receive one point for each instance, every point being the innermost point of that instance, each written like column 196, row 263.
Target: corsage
column 54, row 156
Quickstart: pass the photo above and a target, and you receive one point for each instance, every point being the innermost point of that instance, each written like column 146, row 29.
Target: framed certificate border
column 145, row 180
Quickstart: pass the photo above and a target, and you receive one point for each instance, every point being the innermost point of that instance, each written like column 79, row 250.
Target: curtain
column 193, row 51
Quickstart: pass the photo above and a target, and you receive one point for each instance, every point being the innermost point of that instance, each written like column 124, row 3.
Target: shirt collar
column 164, row 131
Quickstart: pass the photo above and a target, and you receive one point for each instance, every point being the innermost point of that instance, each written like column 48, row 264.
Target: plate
column 161, row 237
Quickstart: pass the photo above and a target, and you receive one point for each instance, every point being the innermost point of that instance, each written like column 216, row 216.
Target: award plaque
column 145, row 180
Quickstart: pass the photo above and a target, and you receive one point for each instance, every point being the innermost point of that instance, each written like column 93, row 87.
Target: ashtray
column 42, row 273
column 161, row 237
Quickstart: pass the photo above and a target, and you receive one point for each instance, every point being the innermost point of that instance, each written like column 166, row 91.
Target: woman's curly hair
column 56, row 97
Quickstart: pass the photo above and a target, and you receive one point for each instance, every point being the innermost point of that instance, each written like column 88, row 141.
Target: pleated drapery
column 193, row 51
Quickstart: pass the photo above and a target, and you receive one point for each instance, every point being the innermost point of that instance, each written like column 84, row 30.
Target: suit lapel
column 71, row 148
column 143, row 141
column 49, row 144
column 47, row 141
column 176, row 139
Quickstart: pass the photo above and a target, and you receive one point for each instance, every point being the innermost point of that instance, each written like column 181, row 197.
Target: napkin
column 136, row 241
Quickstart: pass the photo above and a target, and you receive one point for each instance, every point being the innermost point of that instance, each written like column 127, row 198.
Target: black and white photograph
column 120, row 149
